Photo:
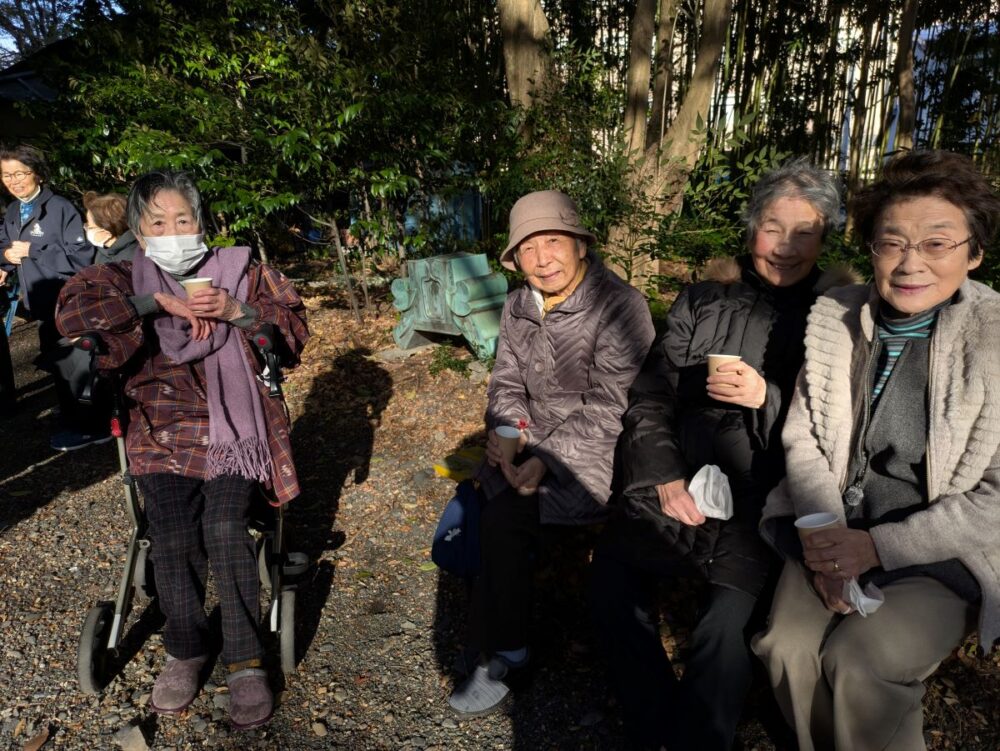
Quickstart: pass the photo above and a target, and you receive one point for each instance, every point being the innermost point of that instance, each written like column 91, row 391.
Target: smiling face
column 168, row 213
column 910, row 283
column 787, row 242
column 550, row 261
column 19, row 178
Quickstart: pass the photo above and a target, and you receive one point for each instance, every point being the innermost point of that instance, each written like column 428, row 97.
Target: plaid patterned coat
column 168, row 408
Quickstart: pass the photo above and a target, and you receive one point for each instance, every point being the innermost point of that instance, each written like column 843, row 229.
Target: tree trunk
column 680, row 147
column 662, row 171
column 665, row 25
column 524, row 29
column 639, row 70
column 904, row 77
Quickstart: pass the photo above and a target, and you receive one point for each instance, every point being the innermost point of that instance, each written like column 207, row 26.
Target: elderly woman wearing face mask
column 42, row 241
column 203, row 433
column 107, row 227
column 894, row 430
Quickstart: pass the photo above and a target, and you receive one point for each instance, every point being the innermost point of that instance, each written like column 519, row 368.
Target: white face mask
column 97, row 236
column 176, row 254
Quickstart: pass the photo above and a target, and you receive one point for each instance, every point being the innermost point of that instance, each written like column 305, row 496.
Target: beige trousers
column 851, row 683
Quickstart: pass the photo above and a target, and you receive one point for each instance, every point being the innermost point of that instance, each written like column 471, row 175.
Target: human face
column 96, row 234
column 550, row 261
column 168, row 214
column 787, row 242
column 19, row 178
column 910, row 283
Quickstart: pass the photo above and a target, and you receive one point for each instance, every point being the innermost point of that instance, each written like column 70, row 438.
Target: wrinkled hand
column 678, row 504
column 526, row 478
column 852, row 549
column 738, row 383
column 213, row 302
column 17, row 251
column 831, row 592
column 200, row 328
column 494, row 456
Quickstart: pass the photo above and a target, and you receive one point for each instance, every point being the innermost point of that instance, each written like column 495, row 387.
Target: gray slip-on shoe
column 251, row 703
column 177, row 685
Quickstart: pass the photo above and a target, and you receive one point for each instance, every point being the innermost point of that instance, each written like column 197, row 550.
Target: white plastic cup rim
column 814, row 521
column 506, row 431
column 197, row 280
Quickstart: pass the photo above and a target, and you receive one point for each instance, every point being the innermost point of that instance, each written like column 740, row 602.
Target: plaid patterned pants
column 194, row 523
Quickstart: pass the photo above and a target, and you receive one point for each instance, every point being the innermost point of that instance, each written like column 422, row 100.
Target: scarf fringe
column 247, row 457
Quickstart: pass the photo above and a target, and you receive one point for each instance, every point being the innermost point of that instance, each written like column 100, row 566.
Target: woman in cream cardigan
column 895, row 428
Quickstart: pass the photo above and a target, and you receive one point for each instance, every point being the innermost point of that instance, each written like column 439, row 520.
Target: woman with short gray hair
column 204, row 434
column 682, row 417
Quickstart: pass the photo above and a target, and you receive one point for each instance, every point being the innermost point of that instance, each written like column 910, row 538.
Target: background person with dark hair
column 42, row 240
column 894, row 429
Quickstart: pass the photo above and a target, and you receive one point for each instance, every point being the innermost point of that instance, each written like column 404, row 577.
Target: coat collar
column 36, row 206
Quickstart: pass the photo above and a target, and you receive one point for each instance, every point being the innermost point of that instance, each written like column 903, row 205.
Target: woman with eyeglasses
column 43, row 241
column 895, row 429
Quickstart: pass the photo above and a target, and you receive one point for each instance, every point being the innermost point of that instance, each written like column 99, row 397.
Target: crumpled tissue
column 711, row 493
column 865, row 601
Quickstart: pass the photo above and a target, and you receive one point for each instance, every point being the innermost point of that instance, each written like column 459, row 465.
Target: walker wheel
column 286, row 631
column 93, row 651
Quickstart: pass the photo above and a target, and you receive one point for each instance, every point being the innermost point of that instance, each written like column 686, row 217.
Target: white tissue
column 710, row 489
column 865, row 601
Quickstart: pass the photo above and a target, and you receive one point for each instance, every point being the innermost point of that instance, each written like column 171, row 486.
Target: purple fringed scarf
column 237, row 430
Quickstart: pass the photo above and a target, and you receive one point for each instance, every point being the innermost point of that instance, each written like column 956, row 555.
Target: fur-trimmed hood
column 729, row 270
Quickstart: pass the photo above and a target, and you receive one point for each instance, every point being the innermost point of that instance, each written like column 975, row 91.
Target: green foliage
column 445, row 358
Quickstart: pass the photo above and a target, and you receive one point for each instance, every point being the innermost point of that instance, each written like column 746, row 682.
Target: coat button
column 539, row 367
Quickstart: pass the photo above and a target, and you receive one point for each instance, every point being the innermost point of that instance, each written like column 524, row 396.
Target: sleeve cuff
column 144, row 304
column 248, row 319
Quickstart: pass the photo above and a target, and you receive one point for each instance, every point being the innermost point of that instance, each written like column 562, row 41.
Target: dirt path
column 377, row 627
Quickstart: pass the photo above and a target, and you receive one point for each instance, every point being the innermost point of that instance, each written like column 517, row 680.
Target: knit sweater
column 962, row 519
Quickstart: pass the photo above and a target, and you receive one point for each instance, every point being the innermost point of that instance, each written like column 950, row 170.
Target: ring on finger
column 836, row 565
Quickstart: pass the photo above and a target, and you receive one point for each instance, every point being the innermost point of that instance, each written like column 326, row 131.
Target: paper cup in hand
column 815, row 522
column 201, row 282
column 510, row 439
column 714, row 361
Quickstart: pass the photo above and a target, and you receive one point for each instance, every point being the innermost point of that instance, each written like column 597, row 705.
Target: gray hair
column 145, row 189
column 795, row 179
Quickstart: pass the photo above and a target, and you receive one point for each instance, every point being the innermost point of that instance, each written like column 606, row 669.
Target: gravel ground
column 376, row 625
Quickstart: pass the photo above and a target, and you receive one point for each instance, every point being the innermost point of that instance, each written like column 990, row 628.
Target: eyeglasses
column 931, row 249
column 16, row 175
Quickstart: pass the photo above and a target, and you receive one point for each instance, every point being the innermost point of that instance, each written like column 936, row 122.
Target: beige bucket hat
column 542, row 211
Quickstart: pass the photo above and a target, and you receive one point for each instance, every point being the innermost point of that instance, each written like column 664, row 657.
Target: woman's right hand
column 831, row 592
column 201, row 328
column 678, row 504
column 494, row 456
column 17, row 252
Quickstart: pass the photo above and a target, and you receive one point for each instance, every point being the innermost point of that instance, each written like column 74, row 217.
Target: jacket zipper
column 930, row 412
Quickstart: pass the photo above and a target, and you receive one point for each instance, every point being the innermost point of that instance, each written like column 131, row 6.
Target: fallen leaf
column 38, row 741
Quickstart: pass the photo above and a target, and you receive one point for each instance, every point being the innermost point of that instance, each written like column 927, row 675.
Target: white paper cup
column 815, row 522
column 714, row 361
column 509, row 438
column 200, row 282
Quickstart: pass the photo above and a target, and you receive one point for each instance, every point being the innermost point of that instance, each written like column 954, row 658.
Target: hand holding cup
column 732, row 381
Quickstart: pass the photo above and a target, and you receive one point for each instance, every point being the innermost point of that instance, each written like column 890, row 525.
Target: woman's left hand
column 738, row 383
column 213, row 302
column 526, row 477
column 840, row 552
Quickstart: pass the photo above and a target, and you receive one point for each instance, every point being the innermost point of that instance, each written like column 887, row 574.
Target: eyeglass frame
column 19, row 175
column 916, row 247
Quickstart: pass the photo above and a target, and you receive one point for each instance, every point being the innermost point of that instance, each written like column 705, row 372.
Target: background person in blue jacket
column 42, row 239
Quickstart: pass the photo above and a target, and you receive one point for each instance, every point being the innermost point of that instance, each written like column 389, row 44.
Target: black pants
column 8, row 390
column 500, row 615
column 71, row 415
column 701, row 710
column 194, row 523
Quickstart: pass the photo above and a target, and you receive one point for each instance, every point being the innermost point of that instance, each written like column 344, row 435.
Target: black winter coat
column 672, row 427
column 58, row 250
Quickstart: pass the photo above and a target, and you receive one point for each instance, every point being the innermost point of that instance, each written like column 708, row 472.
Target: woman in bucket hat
column 572, row 339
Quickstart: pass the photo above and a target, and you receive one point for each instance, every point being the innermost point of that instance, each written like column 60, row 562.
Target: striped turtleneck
column 894, row 333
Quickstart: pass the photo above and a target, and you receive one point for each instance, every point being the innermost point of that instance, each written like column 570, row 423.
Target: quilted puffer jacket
column 567, row 376
column 672, row 427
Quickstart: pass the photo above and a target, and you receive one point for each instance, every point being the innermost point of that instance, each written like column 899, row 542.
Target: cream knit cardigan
column 963, row 442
